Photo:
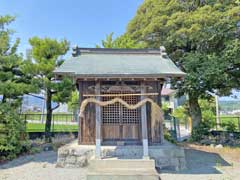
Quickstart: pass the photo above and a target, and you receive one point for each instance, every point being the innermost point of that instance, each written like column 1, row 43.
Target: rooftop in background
column 116, row 63
column 167, row 91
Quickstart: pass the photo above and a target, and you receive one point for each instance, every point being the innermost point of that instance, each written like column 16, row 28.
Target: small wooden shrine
column 131, row 75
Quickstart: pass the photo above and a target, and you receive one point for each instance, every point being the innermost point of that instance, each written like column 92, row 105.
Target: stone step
column 121, row 177
column 120, row 174
column 118, row 169
column 129, row 164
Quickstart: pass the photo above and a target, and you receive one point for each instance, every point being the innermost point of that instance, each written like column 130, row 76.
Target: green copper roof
column 119, row 65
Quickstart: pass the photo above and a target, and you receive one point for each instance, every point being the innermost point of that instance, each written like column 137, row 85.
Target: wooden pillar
column 80, row 91
column 98, row 124
column 159, row 101
column 144, row 124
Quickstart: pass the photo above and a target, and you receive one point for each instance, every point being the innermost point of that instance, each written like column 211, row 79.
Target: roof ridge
column 78, row 51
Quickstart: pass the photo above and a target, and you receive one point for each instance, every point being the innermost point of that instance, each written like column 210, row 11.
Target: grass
column 225, row 119
column 56, row 117
column 34, row 127
column 234, row 119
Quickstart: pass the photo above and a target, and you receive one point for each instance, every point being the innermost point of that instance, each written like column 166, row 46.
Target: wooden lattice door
column 118, row 122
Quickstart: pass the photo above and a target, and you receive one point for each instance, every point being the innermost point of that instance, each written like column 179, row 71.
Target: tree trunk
column 194, row 110
column 49, row 116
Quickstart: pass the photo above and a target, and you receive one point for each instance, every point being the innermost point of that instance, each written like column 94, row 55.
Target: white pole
column 217, row 111
column 43, row 109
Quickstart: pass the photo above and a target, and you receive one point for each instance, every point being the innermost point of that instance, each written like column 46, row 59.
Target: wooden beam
column 157, row 126
column 80, row 91
column 162, row 79
column 120, row 95
column 98, row 124
column 144, row 123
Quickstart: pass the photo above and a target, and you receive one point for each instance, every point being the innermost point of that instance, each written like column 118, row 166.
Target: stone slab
column 116, row 169
column 165, row 155
column 121, row 177
column 128, row 164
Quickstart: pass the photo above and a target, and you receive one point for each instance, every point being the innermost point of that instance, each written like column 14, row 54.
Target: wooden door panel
column 111, row 132
column 130, row 131
column 118, row 122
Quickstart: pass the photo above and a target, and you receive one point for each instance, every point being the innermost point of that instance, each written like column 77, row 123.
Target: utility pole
column 217, row 111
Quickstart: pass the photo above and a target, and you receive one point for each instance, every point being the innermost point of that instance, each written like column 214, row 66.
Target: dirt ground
column 208, row 163
column 204, row 163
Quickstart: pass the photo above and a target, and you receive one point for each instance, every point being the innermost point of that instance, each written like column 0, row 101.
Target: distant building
column 169, row 98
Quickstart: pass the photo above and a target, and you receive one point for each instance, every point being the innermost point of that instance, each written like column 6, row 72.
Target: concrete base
column 167, row 156
column 120, row 175
column 119, row 169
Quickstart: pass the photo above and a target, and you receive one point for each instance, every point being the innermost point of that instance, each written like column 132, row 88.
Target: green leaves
column 62, row 90
column 195, row 34
column 73, row 104
column 200, row 36
column 47, row 54
column 123, row 41
column 13, row 79
column 12, row 132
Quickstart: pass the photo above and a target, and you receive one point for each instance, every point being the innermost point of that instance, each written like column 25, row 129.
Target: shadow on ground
column 198, row 162
column 43, row 157
column 201, row 162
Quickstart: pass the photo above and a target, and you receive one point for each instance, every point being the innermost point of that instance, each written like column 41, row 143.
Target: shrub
column 181, row 114
column 202, row 130
column 230, row 126
column 13, row 139
column 168, row 135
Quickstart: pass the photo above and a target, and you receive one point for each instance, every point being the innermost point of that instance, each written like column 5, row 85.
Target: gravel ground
column 201, row 165
column 38, row 167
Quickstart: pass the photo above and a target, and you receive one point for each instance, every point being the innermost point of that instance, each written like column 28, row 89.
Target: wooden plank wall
column 87, row 127
column 155, row 129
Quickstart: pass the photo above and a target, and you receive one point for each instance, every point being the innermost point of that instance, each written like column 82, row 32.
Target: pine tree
column 14, row 83
column 47, row 54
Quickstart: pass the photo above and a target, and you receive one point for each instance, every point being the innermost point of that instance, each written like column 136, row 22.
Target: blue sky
column 82, row 22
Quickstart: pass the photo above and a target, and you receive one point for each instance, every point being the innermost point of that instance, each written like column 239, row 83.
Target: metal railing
column 41, row 118
column 60, row 122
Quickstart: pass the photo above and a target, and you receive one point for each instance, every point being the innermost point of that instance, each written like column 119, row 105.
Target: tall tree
column 123, row 41
column 47, row 54
column 195, row 34
column 14, row 83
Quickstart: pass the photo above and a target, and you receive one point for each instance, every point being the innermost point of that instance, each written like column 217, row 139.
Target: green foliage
column 14, row 83
column 123, row 41
column 168, row 136
column 73, row 104
column 165, row 106
column 47, row 55
column 181, row 114
column 202, row 38
column 232, row 58
column 202, row 130
column 208, row 109
column 13, row 139
column 230, row 126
